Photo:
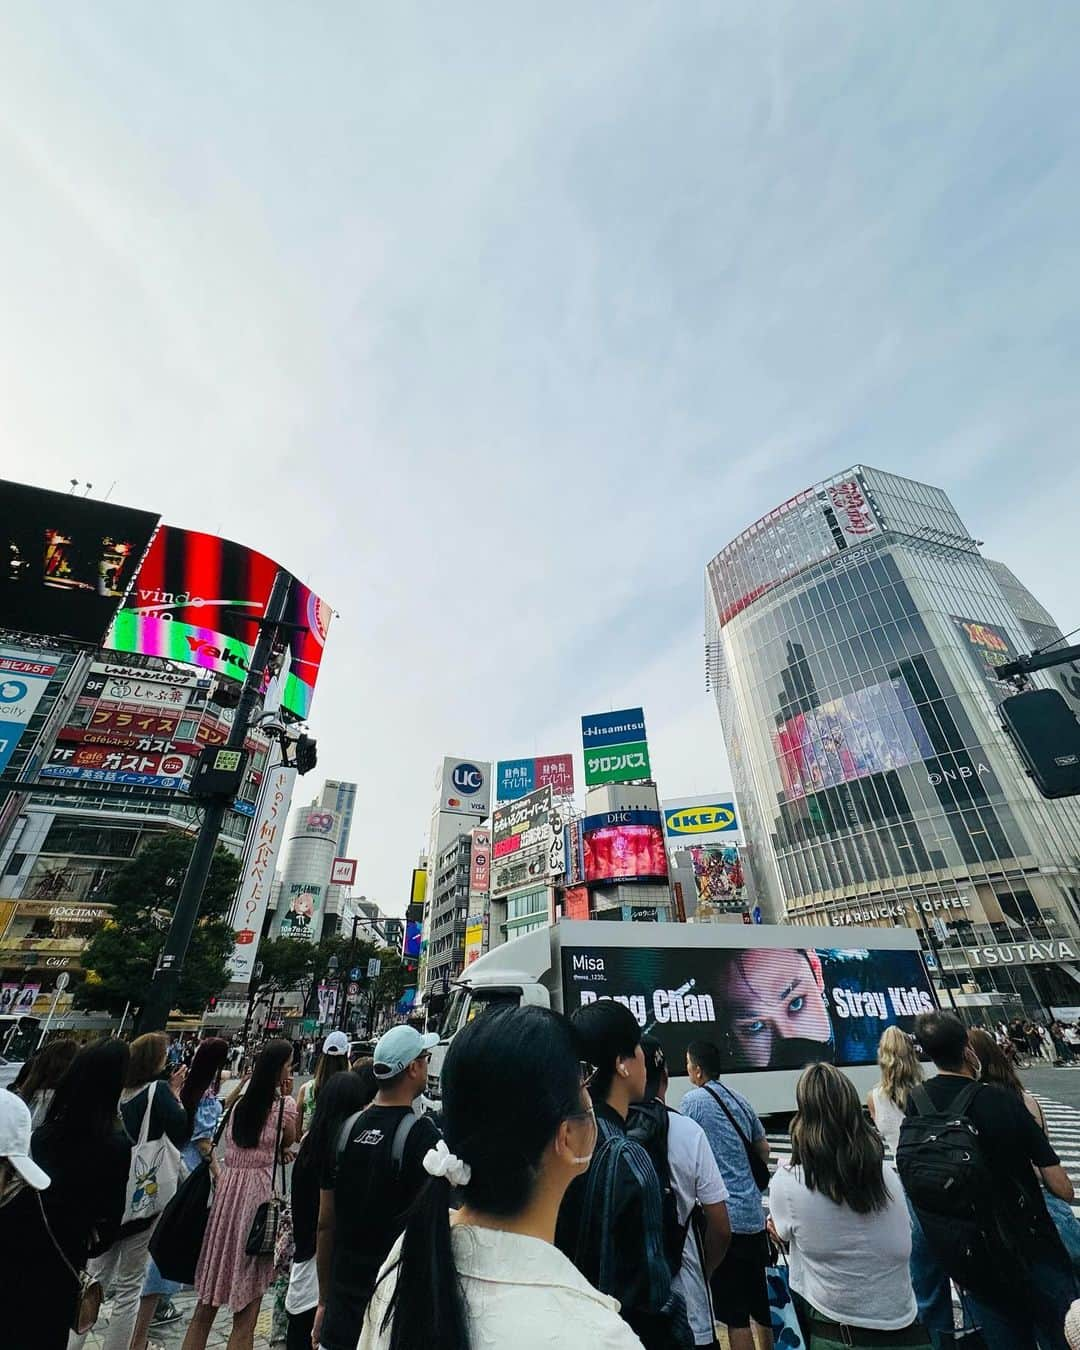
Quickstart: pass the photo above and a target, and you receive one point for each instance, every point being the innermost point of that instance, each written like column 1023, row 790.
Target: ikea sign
column 690, row 819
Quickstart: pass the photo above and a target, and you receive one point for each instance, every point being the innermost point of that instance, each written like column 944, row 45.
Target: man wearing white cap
column 375, row 1176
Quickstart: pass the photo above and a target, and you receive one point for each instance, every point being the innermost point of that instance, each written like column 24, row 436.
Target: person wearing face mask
column 612, row 1222
column 1019, row 1288
column 518, row 1129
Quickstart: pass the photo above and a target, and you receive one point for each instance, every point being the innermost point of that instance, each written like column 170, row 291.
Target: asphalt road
column 1060, row 1085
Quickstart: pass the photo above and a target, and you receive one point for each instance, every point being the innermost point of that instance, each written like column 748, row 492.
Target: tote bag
column 154, row 1170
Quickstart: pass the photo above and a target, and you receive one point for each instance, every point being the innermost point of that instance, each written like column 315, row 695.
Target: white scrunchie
column 440, row 1162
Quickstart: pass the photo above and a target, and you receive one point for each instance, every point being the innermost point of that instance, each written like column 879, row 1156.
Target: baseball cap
column 398, row 1047
column 15, row 1140
column 337, row 1043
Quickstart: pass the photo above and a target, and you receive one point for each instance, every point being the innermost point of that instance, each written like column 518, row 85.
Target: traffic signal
column 306, row 755
column 1046, row 733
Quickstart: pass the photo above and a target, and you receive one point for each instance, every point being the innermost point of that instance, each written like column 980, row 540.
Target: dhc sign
column 713, row 818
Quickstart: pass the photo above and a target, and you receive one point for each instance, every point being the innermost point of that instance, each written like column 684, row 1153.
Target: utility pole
column 154, row 1013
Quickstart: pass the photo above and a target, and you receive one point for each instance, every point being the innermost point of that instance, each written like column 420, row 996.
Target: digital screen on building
column 867, row 731
column 624, row 846
column 411, row 944
column 765, row 1007
column 66, row 561
column 198, row 599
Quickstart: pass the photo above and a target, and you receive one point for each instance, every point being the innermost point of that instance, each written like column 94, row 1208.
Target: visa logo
column 701, row 819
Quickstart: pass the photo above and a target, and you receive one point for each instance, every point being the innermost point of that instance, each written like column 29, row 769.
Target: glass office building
column 851, row 639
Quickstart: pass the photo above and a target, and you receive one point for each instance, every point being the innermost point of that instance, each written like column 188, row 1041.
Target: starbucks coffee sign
column 894, row 909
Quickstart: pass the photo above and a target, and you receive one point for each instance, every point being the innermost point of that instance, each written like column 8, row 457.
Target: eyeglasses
column 588, row 1072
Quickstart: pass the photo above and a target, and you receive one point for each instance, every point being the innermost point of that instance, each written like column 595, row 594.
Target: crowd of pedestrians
column 557, row 1198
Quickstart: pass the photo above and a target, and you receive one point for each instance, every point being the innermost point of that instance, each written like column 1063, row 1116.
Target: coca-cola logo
column 851, row 508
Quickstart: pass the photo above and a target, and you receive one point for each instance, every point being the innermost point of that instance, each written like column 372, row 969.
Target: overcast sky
column 495, row 321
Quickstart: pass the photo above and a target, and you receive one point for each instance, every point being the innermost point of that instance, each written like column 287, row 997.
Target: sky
column 495, row 321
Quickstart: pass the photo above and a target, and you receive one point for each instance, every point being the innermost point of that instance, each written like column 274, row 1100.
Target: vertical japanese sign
column 22, row 683
column 264, row 844
column 615, row 747
column 480, row 864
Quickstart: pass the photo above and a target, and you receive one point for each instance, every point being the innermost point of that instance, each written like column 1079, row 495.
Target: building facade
column 126, row 721
column 852, row 636
column 448, row 911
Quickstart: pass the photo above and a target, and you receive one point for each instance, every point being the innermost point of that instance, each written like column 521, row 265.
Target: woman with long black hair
column 263, row 1124
column 202, row 1110
column 37, row 1085
column 341, row 1097
column 85, row 1152
column 518, row 1127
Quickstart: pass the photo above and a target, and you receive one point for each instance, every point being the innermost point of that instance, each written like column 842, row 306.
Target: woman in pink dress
column 226, row 1276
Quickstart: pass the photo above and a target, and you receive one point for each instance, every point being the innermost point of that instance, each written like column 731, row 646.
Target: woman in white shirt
column 518, row 1127
column 900, row 1072
column 840, row 1210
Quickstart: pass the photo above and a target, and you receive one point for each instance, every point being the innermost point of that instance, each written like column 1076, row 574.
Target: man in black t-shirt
column 1017, row 1154
column 365, row 1191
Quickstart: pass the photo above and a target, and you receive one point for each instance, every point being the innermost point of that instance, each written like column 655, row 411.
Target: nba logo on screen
column 467, row 778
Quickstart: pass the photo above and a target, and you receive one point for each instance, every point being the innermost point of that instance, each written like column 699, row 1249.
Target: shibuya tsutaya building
column 851, row 638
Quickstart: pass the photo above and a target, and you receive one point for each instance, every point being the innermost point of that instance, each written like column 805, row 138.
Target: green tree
column 120, row 958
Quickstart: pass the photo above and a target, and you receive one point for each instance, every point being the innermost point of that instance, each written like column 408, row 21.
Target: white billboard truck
column 774, row 999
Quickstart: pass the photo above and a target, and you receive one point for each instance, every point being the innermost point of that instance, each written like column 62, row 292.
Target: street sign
column 354, row 989
column 354, row 974
column 373, row 968
column 62, row 981
column 757, row 913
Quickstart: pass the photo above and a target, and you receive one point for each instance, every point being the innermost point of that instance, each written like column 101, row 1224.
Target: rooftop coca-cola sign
column 852, row 510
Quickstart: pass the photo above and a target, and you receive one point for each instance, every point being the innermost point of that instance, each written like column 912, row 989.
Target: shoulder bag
column 759, row 1168
column 178, row 1238
column 263, row 1234
column 91, row 1294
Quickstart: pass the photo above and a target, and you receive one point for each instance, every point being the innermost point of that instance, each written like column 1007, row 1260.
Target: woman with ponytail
column 518, row 1126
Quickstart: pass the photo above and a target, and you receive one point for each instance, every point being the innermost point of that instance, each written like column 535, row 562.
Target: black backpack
column 647, row 1125
column 974, row 1220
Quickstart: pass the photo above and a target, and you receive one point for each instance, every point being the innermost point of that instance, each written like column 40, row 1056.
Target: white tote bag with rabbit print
column 154, row 1172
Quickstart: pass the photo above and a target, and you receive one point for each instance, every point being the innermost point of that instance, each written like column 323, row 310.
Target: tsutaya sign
column 1011, row 954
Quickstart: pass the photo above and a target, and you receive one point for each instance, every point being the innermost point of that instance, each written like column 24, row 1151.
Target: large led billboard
column 66, row 561
column 624, row 846
column 765, row 1007
column 868, row 731
column 987, row 647
column 198, row 599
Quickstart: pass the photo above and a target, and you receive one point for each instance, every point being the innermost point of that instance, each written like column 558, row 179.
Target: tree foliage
column 121, row 956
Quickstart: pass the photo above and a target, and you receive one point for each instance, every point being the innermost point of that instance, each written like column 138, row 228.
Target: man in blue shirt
column 732, row 1126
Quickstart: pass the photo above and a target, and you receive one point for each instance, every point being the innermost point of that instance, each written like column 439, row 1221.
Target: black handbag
column 177, row 1241
column 759, row 1168
column 263, row 1235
